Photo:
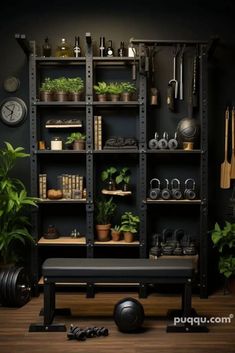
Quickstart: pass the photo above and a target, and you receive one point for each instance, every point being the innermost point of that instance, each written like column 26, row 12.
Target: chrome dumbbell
column 189, row 192
column 166, row 193
column 176, row 193
column 173, row 143
column 163, row 142
column 153, row 143
column 155, row 191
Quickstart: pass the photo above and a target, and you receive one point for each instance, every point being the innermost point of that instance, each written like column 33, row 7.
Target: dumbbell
column 153, row 143
column 173, row 143
column 154, row 192
column 76, row 333
column 189, row 193
column 176, row 193
column 165, row 192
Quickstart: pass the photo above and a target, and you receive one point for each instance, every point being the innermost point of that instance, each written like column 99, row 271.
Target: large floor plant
column 14, row 224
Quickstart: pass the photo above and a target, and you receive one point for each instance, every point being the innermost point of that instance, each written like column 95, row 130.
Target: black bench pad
column 132, row 268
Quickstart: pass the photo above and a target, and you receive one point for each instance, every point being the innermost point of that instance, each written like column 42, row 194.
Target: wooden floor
column 15, row 338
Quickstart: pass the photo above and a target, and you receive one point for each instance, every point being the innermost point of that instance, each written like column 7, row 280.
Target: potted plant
column 14, row 225
column 108, row 174
column 101, row 90
column 61, row 89
column 127, row 89
column 104, row 211
column 77, row 139
column 75, row 88
column 123, row 177
column 116, row 233
column 46, row 90
column 224, row 240
column 114, row 89
column 129, row 226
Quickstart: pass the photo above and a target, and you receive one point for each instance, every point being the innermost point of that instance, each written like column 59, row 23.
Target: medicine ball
column 128, row 315
column 188, row 130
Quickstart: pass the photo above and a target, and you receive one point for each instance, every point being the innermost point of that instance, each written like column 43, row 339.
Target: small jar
column 56, row 143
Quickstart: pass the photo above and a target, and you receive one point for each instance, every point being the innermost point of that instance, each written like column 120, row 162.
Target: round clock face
column 13, row 111
column 11, row 84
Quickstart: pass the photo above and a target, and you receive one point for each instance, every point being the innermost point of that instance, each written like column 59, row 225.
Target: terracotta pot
column 61, row 96
column 128, row 237
column 75, row 96
column 116, row 236
column 46, row 96
column 102, row 97
column 79, row 145
column 126, row 96
column 115, row 97
column 103, row 231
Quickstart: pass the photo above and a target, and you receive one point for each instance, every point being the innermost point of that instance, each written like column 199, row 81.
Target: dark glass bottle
column 122, row 50
column 102, row 47
column 77, row 48
column 109, row 50
column 46, row 48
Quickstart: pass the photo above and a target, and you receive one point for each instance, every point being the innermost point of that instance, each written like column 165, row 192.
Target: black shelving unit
column 143, row 159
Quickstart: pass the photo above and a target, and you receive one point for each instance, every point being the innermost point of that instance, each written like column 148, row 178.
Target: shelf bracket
column 88, row 38
column 23, row 43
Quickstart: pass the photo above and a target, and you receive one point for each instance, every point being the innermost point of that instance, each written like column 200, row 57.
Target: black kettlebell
column 189, row 192
column 166, row 193
column 153, row 143
column 163, row 142
column 155, row 191
column 175, row 189
column 173, row 143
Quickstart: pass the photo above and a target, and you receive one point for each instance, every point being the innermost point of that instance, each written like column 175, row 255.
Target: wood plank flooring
column 15, row 338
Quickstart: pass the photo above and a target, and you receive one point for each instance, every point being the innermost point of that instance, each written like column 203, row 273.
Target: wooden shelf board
column 62, row 240
column 117, row 150
column 60, row 152
column 174, row 202
column 118, row 103
column 176, row 151
column 60, row 104
column 117, row 243
column 62, row 201
column 116, row 192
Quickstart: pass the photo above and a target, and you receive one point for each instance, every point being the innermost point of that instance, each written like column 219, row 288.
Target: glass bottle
column 102, row 47
column 109, row 50
column 63, row 49
column 46, row 48
column 76, row 48
column 122, row 50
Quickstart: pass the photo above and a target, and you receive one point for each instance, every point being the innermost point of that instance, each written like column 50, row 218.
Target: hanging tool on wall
column 232, row 173
column 182, row 73
column 172, row 91
column 225, row 166
column 154, row 92
column 196, row 78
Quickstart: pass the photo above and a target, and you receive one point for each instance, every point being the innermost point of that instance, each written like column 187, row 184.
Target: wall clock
column 13, row 111
column 11, row 84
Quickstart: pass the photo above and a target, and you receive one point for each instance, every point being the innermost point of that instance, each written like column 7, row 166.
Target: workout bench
column 143, row 271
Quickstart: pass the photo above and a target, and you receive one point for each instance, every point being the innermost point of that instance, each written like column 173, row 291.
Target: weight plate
column 22, row 295
column 3, row 287
column 13, row 284
column 1, row 276
column 10, row 298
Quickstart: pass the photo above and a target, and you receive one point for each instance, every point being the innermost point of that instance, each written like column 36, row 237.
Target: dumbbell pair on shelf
column 76, row 333
column 172, row 190
column 164, row 142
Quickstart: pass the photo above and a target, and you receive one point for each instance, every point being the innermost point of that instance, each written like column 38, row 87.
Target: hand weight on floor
column 14, row 287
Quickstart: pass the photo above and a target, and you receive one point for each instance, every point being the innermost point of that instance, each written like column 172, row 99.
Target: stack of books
column 97, row 132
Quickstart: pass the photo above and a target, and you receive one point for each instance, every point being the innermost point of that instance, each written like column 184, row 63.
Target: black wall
column 118, row 21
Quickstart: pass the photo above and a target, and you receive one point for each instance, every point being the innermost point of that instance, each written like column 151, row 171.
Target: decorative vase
column 46, row 96
column 116, row 236
column 79, row 145
column 103, row 231
column 128, row 237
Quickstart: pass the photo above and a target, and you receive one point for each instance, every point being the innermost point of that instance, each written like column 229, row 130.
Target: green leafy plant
column 75, row 85
column 129, row 222
column 101, row 88
column 105, row 210
column 48, row 85
column 116, row 228
column 14, row 225
column 108, row 173
column 61, row 84
column 123, row 176
column 127, row 87
column 114, row 88
column 75, row 136
column 224, row 240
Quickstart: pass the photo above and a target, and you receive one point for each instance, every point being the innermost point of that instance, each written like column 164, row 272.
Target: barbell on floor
column 15, row 290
